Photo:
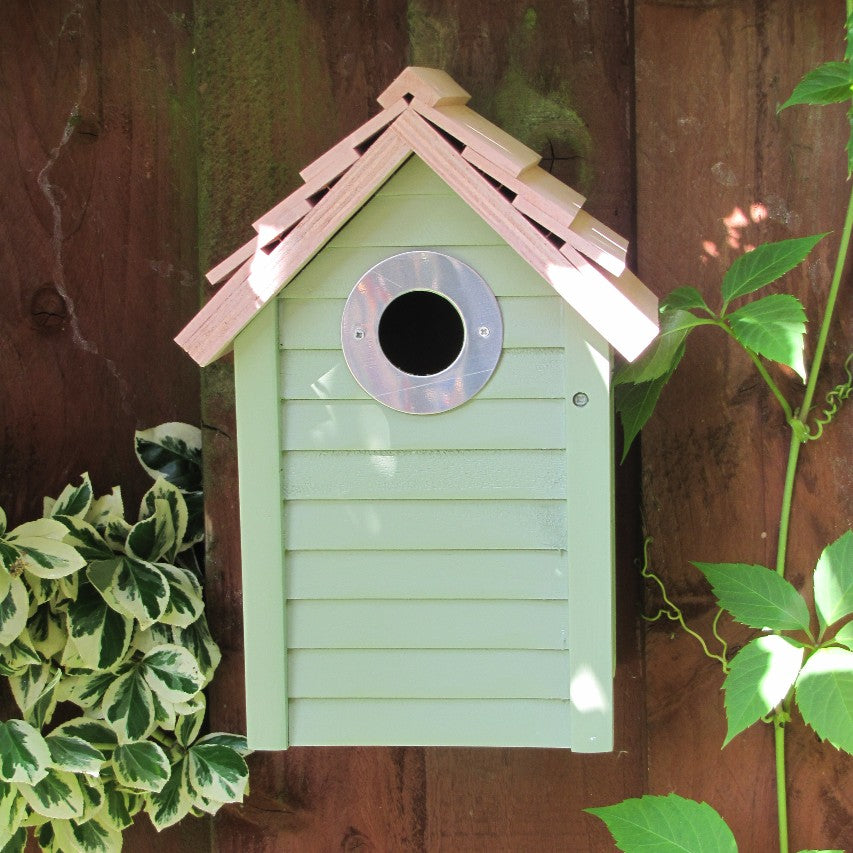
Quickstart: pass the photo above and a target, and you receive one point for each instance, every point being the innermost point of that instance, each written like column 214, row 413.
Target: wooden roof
column 425, row 113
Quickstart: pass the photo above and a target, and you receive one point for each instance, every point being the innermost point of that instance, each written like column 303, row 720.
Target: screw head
column 580, row 399
column 484, row 331
column 358, row 334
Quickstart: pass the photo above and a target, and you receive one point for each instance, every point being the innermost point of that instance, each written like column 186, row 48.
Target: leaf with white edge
column 94, row 796
column 195, row 520
column 129, row 706
column 16, row 842
column 825, row 696
column 5, row 577
column 74, row 501
column 116, row 530
column 761, row 675
column 201, row 645
column 24, row 756
column 829, row 83
column 185, row 596
column 95, row 732
column 21, row 653
column 173, row 451
column 774, row 327
column 86, row 689
column 157, row 634
column 757, row 596
column 85, row 538
column 666, row 824
column 46, row 633
column 66, row 590
column 172, row 672
column 161, row 497
column 100, row 634
column 41, row 590
column 74, row 754
column 833, row 581
column 232, row 741
column 154, row 537
column 141, row 766
column 119, row 808
column 164, row 712
column 687, row 298
column 42, row 550
column 665, row 352
column 13, row 809
column 635, row 404
column 13, row 612
column 844, row 636
column 3, row 521
column 105, row 507
column 188, row 726
column 33, row 692
column 193, row 705
column 217, row 772
column 765, row 264
column 138, row 588
column 57, row 795
column 87, row 836
column 173, row 802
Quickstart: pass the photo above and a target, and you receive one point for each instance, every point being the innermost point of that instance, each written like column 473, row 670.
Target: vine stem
column 781, row 785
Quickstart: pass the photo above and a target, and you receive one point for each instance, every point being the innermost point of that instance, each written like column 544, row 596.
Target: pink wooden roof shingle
column 425, row 113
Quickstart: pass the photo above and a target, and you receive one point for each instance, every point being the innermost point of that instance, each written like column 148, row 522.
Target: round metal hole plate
column 470, row 296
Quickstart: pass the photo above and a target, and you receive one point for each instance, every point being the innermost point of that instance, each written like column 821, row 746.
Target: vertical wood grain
column 718, row 172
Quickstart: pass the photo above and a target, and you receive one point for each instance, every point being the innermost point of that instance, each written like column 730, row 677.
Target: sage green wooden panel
column 477, row 425
column 425, row 474
column 386, row 624
column 414, row 177
column 521, row 374
column 333, row 273
column 409, row 525
column 428, row 674
column 431, row 722
column 256, row 373
column 316, row 323
column 427, row 574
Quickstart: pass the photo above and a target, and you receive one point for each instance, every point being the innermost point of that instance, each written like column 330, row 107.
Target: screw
column 580, row 399
column 359, row 334
column 483, row 331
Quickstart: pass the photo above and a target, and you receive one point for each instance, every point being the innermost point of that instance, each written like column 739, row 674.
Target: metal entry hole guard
column 482, row 340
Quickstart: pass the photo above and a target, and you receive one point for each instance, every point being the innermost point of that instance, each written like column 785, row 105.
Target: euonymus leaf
column 141, row 766
column 829, row 83
column 119, row 808
column 105, row 507
column 17, row 842
column 46, row 633
column 137, row 587
column 757, row 596
column 85, row 538
column 235, row 742
column 185, row 596
column 129, row 707
column 761, row 675
column 165, row 498
column 172, row 451
column 95, row 732
column 172, row 672
column 24, row 756
column 33, row 692
column 57, row 795
column 198, row 641
column 173, row 802
column 94, row 795
column 217, row 772
column 100, row 634
column 667, row 824
column 774, row 327
column 13, row 612
column 42, row 551
column 154, row 537
column 825, row 696
column 2, row 521
column 74, row 754
column 88, row 836
column 635, row 404
column 195, row 522
column 74, row 501
column 13, row 809
column 833, row 581
column 765, row 264
column 687, row 298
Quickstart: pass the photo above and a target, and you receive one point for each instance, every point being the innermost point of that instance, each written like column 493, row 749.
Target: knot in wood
column 48, row 308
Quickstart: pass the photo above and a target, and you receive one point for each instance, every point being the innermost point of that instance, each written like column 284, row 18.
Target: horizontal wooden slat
column 478, row 425
column 425, row 474
column 334, row 272
column 416, row 220
column 427, row 574
column 428, row 674
column 404, row 525
column 427, row 624
column 425, row 722
column 316, row 323
column 520, row 374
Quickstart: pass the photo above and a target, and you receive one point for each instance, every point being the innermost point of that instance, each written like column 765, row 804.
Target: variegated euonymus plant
column 102, row 626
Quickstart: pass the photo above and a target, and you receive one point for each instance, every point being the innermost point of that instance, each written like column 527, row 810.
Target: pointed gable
column 425, row 113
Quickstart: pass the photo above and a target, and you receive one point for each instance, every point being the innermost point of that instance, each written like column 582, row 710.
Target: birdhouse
column 423, row 337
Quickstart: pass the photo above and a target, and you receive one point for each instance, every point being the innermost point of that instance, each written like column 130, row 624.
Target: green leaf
column 100, row 634
column 173, row 802
column 173, row 451
column 195, row 521
column 829, row 83
column 33, row 692
column 187, row 726
column 2, row 521
column 119, row 808
column 166, row 498
column 761, row 675
column 13, row 612
column 90, row 836
column 833, row 581
column 13, row 810
column 95, row 732
column 42, row 551
column 757, row 596
column 635, row 404
column 141, row 766
column 129, row 706
column 774, row 327
column 687, row 298
column 172, row 672
column 138, row 588
column 104, row 508
column 94, row 795
column 665, row 352
column 46, row 633
column 217, row 772
column 154, row 537
column 57, row 795
column 232, row 741
column 825, row 696
column 85, row 689
column 74, row 754
column 185, row 596
column 17, row 842
column 845, row 636
column 666, row 824
column 24, row 755
column 74, row 501
column 201, row 645
column 85, row 539
column 765, row 264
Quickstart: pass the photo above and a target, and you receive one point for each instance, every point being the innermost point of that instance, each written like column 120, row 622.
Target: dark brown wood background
column 138, row 140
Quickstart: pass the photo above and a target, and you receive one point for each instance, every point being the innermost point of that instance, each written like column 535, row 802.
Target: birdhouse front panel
column 437, row 576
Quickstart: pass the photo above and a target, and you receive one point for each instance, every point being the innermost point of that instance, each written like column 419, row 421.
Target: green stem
column 781, row 787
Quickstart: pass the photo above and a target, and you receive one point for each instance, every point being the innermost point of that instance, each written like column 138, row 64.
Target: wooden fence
column 138, row 139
